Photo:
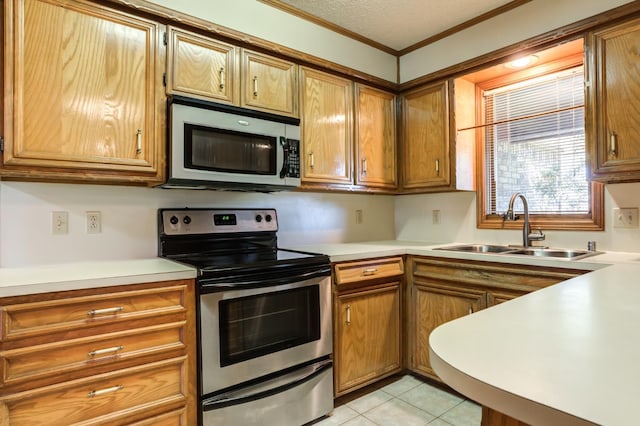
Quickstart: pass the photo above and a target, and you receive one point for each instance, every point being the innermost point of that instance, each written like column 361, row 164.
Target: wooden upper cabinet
column 375, row 138
column 426, row 147
column 613, row 103
column 83, row 93
column 269, row 84
column 202, row 67
column 327, row 128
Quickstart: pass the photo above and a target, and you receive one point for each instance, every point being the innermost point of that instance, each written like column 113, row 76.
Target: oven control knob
column 174, row 220
column 258, row 218
column 268, row 218
column 186, row 220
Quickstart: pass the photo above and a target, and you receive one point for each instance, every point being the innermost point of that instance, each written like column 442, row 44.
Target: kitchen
column 129, row 228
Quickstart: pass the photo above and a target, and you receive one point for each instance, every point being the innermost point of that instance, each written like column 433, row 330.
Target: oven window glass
column 222, row 150
column 262, row 324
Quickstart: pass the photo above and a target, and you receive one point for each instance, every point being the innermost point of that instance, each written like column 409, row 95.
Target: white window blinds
column 534, row 141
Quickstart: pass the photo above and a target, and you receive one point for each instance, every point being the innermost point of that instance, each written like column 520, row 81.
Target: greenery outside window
column 533, row 141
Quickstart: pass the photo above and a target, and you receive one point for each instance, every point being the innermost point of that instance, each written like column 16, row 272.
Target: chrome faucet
column 527, row 236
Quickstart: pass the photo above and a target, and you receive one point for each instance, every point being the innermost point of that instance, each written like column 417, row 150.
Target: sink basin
column 561, row 253
column 478, row 248
column 522, row 251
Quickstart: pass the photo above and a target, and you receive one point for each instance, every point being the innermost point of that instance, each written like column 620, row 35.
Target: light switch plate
column 625, row 217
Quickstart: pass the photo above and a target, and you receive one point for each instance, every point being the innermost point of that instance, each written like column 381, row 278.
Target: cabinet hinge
column 164, row 38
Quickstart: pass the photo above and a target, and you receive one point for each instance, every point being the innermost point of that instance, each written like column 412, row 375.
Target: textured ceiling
column 396, row 24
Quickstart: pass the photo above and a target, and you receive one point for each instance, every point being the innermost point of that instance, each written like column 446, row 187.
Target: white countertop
column 564, row 355
column 79, row 275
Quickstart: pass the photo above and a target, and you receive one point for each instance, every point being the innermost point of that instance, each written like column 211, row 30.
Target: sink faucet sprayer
column 527, row 236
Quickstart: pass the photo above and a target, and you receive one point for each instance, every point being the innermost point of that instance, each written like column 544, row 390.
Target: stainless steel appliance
column 264, row 317
column 225, row 147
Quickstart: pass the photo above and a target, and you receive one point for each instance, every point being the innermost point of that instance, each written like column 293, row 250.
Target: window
column 533, row 141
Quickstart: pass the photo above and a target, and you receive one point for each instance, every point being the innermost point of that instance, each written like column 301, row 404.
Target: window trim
column 593, row 221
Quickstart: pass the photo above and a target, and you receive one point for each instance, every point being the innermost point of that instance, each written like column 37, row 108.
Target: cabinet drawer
column 174, row 418
column 64, row 357
column 523, row 277
column 350, row 272
column 41, row 318
column 98, row 399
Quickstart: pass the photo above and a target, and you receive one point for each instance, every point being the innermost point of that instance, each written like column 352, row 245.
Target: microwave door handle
column 269, row 388
column 285, row 163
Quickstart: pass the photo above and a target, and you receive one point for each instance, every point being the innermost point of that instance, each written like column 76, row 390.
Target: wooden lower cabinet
column 492, row 417
column 113, row 355
column 367, row 322
column 440, row 290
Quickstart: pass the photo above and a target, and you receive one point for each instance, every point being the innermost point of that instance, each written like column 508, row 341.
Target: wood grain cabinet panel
column 111, row 355
column 375, row 138
column 441, row 290
column 95, row 400
column 327, row 128
column 367, row 322
column 84, row 96
column 49, row 316
column 63, row 357
column 613, row 103
column 426, row 145
column 368, row 336
column 202, row 67
column 269, row 84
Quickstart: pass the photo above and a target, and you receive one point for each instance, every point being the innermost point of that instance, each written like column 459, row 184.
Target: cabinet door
column 375, row 138
column 615, row 102
column 433, row 306
column 269, row 84
column 202, row 67
column 327, row 128
column 85, row 97
column 426, row 147
column 367, row 330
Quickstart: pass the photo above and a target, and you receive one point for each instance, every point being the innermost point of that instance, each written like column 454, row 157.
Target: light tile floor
column 407, row 402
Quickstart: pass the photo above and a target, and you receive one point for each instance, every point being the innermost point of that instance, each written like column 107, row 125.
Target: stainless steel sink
column 521, row 251
column 478, row 248
column 550, row 252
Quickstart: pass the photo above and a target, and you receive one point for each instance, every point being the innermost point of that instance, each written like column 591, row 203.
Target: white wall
column 413, row 221
column 129, row 219
column 268, row 23
column 526, row 21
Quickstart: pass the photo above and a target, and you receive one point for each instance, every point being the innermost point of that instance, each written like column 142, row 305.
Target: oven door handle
column 270, row 387
column 262, row 281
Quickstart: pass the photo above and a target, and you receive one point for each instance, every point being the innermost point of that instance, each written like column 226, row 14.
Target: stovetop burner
column 224, row 242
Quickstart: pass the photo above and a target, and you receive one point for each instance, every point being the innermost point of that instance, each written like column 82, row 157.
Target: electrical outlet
column 625, row 217
column 359, row 217
column 59, row 223
column 94, row 223
column 435, row 217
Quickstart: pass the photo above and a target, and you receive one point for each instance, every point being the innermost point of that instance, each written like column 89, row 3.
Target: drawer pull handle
column 364, row 166
column 106, row 311
column 105, row 351
column 104, row 391
column 255, row 86
column 437, row 167
column 613, row 144
column 470, row 309
column 221, row 72
column 311, row 160
column 139, row 142
column 348, row 314
column 369, row 271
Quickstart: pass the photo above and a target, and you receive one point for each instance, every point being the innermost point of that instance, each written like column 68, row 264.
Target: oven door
column 246, row 334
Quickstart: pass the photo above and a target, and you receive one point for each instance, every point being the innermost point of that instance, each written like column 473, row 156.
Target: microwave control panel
column 291, row 164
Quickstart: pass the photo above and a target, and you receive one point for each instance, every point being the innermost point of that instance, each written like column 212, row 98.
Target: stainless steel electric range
column 264, row 317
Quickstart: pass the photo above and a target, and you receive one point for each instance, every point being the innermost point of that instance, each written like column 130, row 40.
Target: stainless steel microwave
column 215, row 146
